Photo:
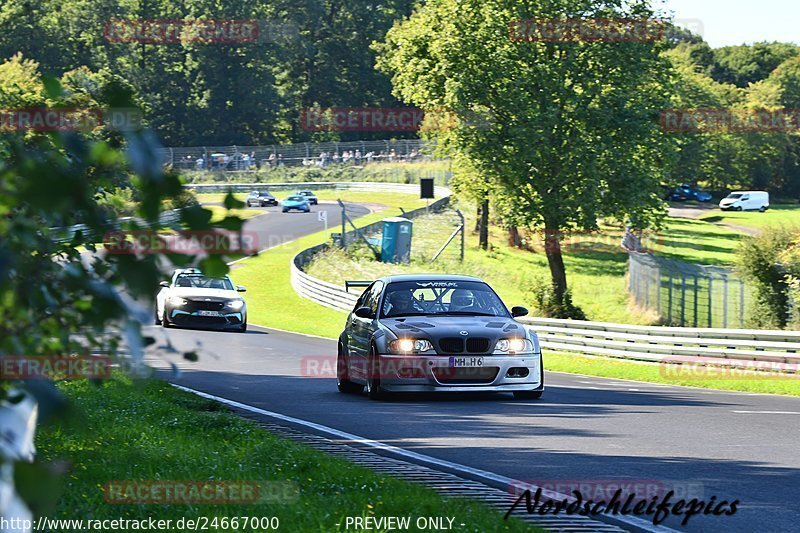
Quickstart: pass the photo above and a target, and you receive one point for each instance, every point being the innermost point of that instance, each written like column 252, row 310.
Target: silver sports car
column 422, row 333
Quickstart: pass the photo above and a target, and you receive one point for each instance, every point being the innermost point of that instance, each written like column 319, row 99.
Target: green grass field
column 149, row 431
column 777, row 215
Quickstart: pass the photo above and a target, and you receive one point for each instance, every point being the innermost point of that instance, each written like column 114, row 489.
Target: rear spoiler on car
column 350, row 283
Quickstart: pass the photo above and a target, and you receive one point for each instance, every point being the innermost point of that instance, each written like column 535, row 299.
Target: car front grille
column 465, row 376
column 477, row 345
column 450, row 345
column 202, row 305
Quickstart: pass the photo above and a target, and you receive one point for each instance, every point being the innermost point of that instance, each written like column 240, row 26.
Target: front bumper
column 193, row 319
column 430, row 373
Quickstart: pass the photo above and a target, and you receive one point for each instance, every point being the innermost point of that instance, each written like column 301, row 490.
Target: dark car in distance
column 686, row 192
column 260, row 199
column 426, row 333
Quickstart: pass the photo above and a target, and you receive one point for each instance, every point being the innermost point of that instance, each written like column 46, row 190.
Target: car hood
column 436, row 327
column 195, row 293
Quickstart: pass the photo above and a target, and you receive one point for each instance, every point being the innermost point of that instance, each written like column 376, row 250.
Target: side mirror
column 164, row 284
column 518, row 310
column 364, row 312
column 240, row 288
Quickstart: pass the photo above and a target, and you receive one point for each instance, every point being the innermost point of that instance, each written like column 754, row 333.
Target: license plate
column 466, row 362
column 208, row 313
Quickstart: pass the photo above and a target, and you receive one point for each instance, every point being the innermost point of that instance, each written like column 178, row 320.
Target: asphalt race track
column 729, row 445
column 706, row 443
column 273, row 227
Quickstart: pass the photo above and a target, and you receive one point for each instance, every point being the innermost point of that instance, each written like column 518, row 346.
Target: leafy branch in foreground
column 60, row 294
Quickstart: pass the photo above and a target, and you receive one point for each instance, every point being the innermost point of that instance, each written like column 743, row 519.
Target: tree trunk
column 558, row 274
column 478, row 218
column 513, row 237
column 484, row 231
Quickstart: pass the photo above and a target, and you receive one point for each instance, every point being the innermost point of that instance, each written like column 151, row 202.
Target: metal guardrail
column 315, row 185
column 165, row 218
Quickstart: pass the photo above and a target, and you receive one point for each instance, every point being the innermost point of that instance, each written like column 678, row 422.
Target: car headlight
column 177, row 300
column 410, row 345
column 235, row 304
column 513, row 346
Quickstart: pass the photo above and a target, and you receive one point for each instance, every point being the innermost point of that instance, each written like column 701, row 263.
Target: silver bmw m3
column 424, row 333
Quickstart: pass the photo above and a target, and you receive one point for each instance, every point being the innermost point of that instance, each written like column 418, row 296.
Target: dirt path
column 696, row 211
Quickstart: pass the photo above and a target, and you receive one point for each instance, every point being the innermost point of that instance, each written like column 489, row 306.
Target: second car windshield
column 204, row 282
column 735, row 195
column 469, row 298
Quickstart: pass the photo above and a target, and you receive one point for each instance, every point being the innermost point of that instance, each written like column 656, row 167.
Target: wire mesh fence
column 233, row 158
column 685, row 294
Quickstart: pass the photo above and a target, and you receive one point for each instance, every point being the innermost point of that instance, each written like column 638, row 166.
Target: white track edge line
column 497, row 478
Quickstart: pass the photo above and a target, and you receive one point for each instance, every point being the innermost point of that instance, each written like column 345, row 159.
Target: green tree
column 572, row 130
column 746, row 64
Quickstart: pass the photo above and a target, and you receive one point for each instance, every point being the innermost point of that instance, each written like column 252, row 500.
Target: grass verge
column 152, row 432
column 777, row 215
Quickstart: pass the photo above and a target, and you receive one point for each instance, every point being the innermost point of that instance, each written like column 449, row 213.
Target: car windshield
column 442, row 298
column 295, row 198
column 734, row 195
column 199, row 281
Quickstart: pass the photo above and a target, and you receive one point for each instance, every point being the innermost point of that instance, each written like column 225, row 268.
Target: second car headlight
column 410, row 345
column 513, row 346
column 235, row 304
column 177, row 300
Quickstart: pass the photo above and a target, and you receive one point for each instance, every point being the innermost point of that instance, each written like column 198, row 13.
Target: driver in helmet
column 462, row 300
column 401, row 302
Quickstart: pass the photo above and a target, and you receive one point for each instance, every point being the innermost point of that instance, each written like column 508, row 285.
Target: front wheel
column 164, row 320
column 374, row 390
column 762, row 209
column 343, row 382
column 157, row 318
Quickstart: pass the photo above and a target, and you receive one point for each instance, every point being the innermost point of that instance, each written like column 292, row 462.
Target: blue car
column 687, row 192
column 295, row 202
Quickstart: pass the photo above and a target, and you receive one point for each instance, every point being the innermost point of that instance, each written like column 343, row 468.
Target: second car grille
column 202, row 305
column 449, row 345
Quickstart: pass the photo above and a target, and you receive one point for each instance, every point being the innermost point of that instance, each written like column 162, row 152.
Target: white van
column 745, row 201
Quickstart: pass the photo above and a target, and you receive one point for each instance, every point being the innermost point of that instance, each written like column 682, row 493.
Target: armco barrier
column 371, row 186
